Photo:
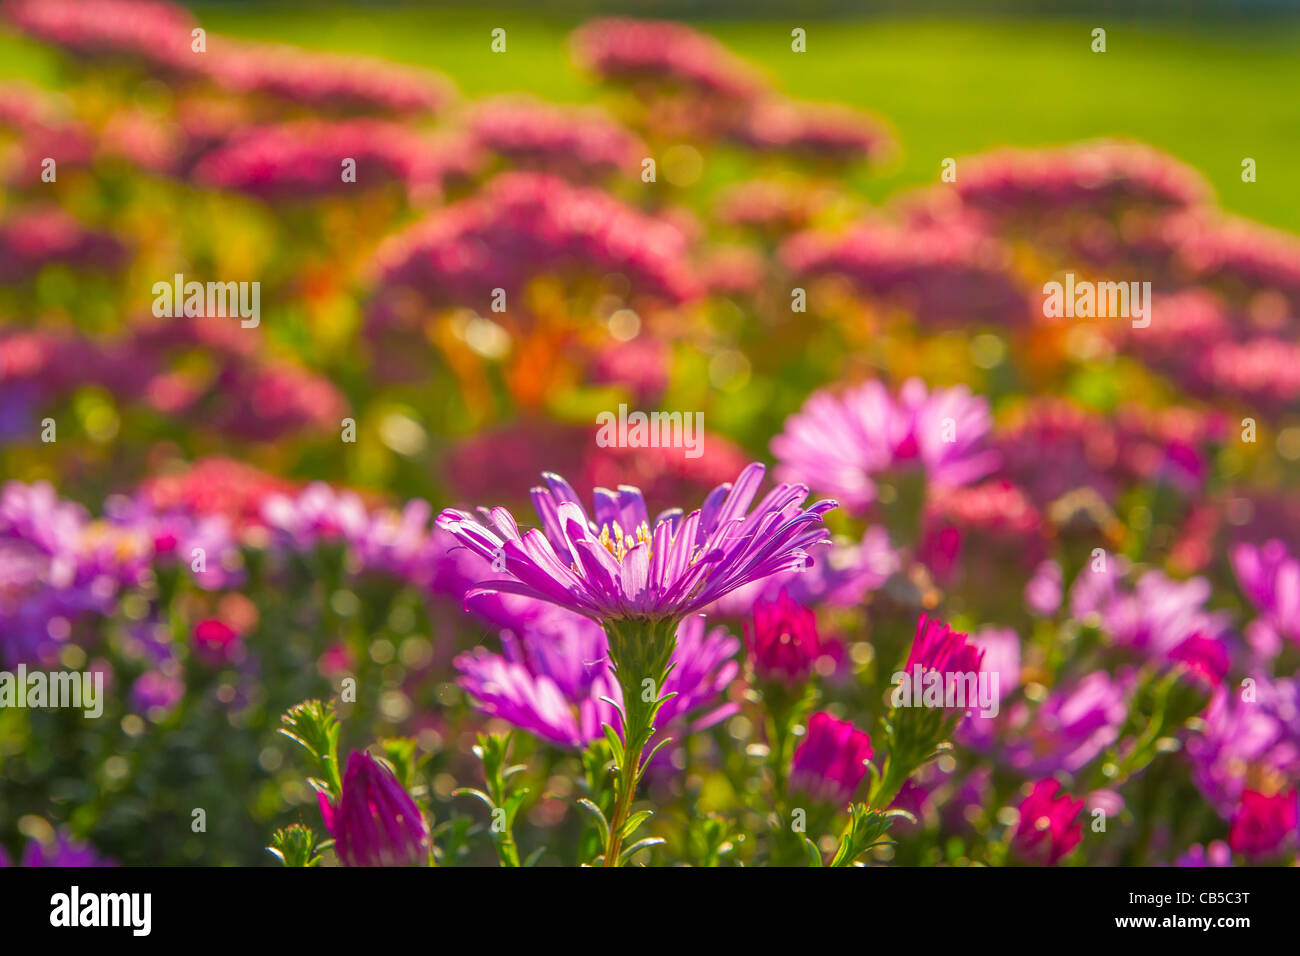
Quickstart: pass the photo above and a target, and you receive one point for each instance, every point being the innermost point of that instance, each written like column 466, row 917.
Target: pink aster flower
column 155, row 33
column 1235, row 255
column 578, row 143
column 1262, row 825
column 34, row 239
column 663, row 52
column 617, row 566
column 270, row 401
column 302, row 159
column 839, row 443
column 1264, row 371
column 945, row 274
column 214, row 487
column 782, row 641
column 525, row 224
column 992, row 520
column 831, row 761
column 326, row 83
column 1100, row 178
column 1048, row 830
column 375, row 822
column 771, row 205
column 823, row 131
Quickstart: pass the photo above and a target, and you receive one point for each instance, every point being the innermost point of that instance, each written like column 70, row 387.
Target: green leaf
column 814, row 854
column 645, row 764
column 615, row 744
column 474, row 792
column 630, row 851
column 595, row 811
column 633, row 822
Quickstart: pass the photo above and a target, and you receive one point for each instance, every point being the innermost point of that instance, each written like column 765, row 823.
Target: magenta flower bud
column 216, row 642
column 831, row 761
column 782, row 641
column 937, row 647
column 1048, row 830
column 1262, row 825
column 375, row 823
column 1205, row 659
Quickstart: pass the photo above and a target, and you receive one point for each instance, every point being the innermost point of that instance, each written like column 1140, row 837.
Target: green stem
column 639, row 651
column 624, row 792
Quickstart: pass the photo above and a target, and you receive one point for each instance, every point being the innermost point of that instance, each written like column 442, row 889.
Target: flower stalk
column 640, row 651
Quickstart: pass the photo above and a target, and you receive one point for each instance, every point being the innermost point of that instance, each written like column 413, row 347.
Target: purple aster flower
column 841, row 443
column 617, row 567
column 1152, row 617
column 57, row 565
column 378, row 540
column 843, row 577
column 1216, row 854
column 1270, row 577
column 1001, row 649
column 61, row 851
column 1075, row 724
column 1250, row 734
column 554, row 677
column 177, row 538
column 154, row 693
column 375, row 823
column 831, row 761
column 1045, row 590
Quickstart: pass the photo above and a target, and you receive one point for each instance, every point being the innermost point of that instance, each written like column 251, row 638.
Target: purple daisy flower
column 1152, row 617
column 840, row 443
column 553, row 678
column 61, row 851
column 1216, row 854
column 1073, row 726
column 618, row 567
column 846, row 573
column 1270, row 577
column 1250, row 733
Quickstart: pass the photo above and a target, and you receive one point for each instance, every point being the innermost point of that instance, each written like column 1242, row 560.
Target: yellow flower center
column 618, row 543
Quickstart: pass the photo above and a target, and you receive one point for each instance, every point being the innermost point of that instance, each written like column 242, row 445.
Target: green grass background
column 1210, row 94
